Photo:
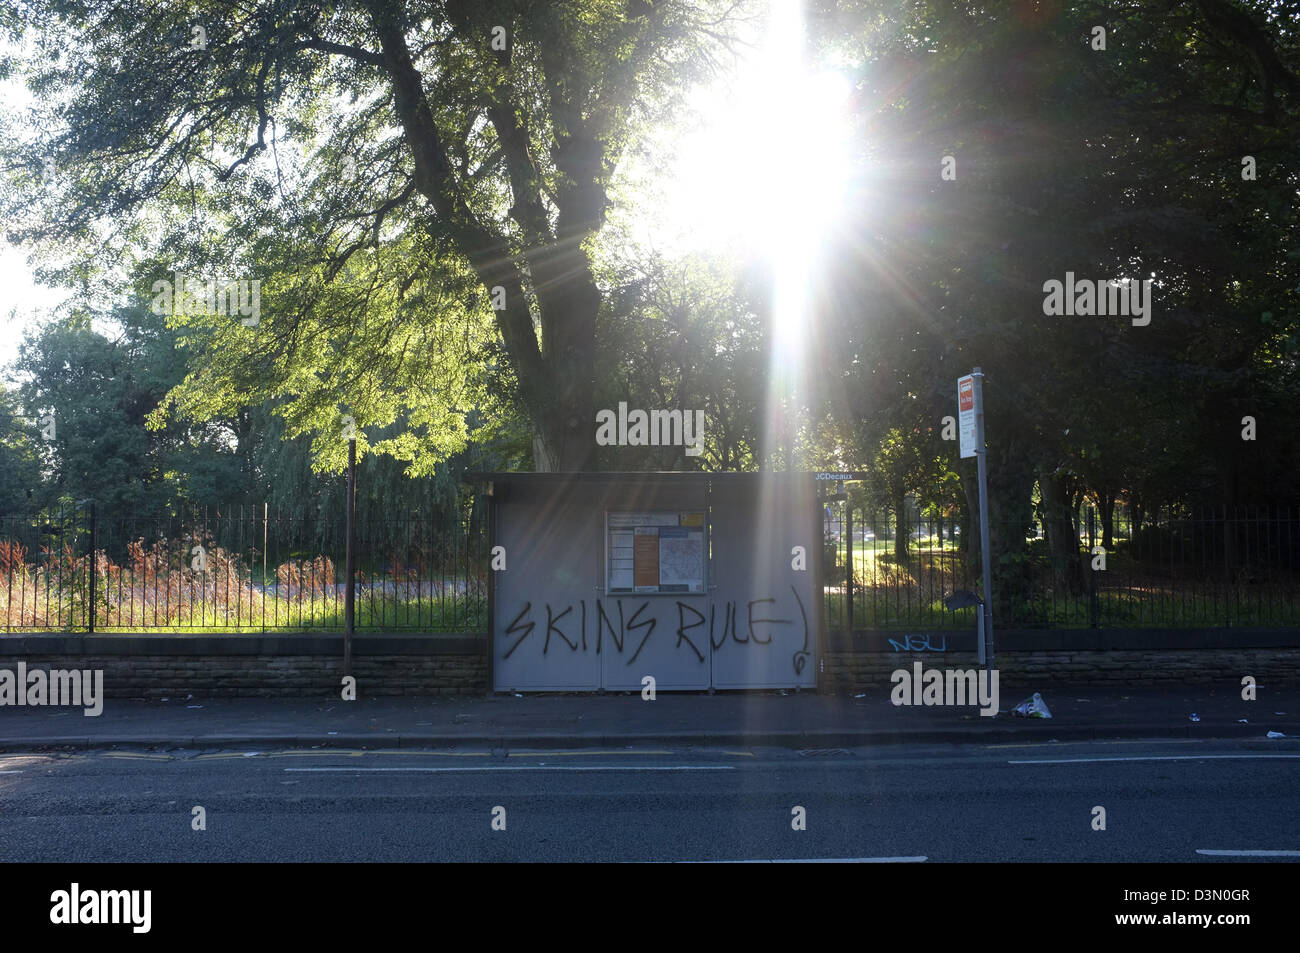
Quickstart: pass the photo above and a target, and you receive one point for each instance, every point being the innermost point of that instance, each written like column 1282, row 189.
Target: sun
column 759, row 171
column 766, row 169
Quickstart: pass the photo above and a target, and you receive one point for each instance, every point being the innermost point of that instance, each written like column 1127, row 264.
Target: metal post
column 1092, row 575
column 848, row 597
column 265, row 513
column 350, row 560
column 981, row 456
column 491, row 589
column 819, row 604
column 90, row 622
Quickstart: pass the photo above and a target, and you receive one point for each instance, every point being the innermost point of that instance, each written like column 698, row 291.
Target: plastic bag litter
column 1032, row 707
column 1275, row 734
column 1195, row 717
column 1242, row 721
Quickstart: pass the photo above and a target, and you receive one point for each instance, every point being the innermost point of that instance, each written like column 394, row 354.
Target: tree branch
column 435, row 178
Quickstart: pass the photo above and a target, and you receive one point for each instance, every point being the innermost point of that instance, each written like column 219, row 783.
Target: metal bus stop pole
column 981, row 457
column 350, row 560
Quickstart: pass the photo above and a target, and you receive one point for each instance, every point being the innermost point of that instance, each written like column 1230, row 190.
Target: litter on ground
column 1032, row 707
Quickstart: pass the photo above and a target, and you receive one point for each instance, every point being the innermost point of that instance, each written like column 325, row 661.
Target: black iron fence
column 258, row 570
column 242, row 570
column 1229, row 566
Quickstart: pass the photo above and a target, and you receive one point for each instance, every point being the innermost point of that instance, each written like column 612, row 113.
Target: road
column 1164, row 801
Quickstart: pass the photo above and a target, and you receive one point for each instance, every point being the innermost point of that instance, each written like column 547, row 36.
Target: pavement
column 801, row 720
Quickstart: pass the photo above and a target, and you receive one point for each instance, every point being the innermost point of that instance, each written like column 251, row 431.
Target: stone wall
column 1035, row 658
column 169, row 666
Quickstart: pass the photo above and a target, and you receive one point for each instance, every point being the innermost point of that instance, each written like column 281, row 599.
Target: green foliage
column 99, row 390
column 684, row 334
column 1123, row 163
column 382, row 169
column 20, row 466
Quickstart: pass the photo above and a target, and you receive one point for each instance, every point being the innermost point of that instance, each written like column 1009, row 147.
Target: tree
column 98, row 392
column 20, row 465
column 682, row 334
column 379, row 161
column 1117, row 164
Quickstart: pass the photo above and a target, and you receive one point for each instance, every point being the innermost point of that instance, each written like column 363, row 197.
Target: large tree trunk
column 1077, row 497
column 1106, row 507
column 902, row 533
column 1062, row 535
column 1011, row 484
column 564, row 425
column 556, row 378
column 561, row 442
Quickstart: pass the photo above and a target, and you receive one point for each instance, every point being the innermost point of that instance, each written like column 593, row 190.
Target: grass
column 153, row 591
column 1129, row 593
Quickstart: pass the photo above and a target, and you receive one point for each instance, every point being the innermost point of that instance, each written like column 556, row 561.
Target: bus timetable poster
column 654, row 552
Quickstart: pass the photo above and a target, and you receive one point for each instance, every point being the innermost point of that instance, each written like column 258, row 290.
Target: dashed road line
column 436, row 754
column 1169, row 757
column 538, row 767
column 232, row 754
column 1113, row 741
column 820, row 860
column 542, row 753
column 137, row 756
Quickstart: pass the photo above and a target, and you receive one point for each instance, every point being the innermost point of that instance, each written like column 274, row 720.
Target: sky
column 22, row 300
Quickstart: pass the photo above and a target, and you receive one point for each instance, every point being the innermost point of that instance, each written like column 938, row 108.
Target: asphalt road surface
column 1210, row 801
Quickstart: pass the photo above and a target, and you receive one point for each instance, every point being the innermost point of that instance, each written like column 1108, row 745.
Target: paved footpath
column 789, row 719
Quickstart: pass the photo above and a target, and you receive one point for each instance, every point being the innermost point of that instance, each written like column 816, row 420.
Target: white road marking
column 541, row 767
column 10, row 772
column 820, row 860
column 1112, row 741
column 1250, row 853
column 1169, row 757
column 534, row 753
